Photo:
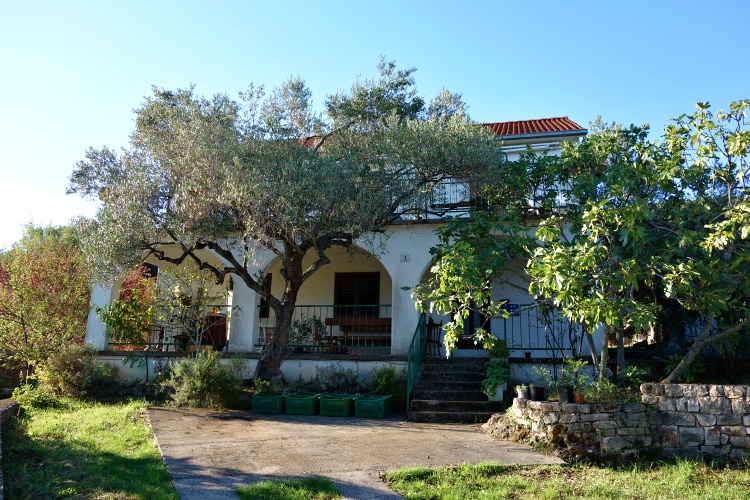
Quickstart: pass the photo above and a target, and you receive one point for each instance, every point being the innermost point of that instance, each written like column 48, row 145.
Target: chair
column 433, row 337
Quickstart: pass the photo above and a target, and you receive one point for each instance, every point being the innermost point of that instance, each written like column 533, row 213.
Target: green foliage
column 633, row 375
column 265, row 387
column 314, row 488
column 29, row 396
column 497, row 373
column 75, row 371
column 45, row 285
column 206, row 382
column 307, row 330
column 649, row 228
column 690, row 375
column 605, row 391
column 333, row 377
column 387, row 380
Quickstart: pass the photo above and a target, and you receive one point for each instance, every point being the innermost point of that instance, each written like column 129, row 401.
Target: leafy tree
column 45, row 285
column 707, row 268
column 632, row 233
column 270, row 174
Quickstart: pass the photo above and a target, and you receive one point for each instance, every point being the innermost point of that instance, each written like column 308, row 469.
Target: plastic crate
column 268, row 403
column 371, row 406
column 301, row 403
column 336, row 405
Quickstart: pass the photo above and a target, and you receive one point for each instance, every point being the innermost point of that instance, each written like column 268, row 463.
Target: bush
column 27, row 396
column 336, row 378
column 387, row 380
column 75, row 372
column 206, row 382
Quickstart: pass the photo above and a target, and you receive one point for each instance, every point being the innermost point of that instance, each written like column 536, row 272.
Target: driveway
column 210, row 454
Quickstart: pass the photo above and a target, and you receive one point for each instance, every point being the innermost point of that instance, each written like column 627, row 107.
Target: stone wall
column 8, row 408
column 586, row 429
column 682, row 419
column 696, row 418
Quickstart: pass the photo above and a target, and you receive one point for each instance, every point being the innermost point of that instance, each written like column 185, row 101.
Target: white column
column 244, row 320
column 96, row 332
column 406, row 260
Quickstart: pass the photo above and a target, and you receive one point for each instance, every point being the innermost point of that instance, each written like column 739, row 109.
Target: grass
column 316, row 488
column 84, row 450
column 678, row 479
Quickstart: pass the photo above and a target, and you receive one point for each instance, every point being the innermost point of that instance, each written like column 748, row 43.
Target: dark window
column 351, row 289
column 264, row 308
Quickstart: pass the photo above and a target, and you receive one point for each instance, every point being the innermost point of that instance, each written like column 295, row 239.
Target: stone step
column 447, row 367
column 440, row 375
column 449, row 395
column 457, row 406
column 470, row 417
column 447, row 385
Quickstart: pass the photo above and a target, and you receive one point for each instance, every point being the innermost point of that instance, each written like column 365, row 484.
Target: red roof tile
column 537, row 126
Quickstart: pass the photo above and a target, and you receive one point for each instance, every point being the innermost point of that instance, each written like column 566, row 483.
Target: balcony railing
column 178, row 329
column 545, row 333
column 332, row 328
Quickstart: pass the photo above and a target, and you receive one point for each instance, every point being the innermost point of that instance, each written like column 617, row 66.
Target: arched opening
column 343, row 308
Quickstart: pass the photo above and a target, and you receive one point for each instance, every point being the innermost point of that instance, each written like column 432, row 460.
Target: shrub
column 206, row 382
column 336, row 378
column 387, row 380
column 75, row 372
column 27, row 396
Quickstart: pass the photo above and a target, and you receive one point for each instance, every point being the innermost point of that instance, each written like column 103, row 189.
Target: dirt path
column 210, row 454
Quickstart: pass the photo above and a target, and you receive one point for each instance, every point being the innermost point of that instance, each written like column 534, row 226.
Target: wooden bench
column 361, row 330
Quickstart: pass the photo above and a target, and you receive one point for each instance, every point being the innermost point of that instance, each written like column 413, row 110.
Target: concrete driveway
column 210, row 454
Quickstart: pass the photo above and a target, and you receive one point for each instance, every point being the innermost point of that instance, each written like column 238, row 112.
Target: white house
column 355, row 308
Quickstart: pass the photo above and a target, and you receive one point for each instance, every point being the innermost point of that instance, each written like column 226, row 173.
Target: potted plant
column 497, row 373
column 579, row 379
column 537, row 392
column 497, row 370
column 523, row 391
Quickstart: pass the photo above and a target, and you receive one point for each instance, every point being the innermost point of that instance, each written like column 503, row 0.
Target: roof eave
column 543, row 135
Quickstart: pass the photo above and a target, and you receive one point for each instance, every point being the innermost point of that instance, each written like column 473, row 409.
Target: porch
column 333, row 328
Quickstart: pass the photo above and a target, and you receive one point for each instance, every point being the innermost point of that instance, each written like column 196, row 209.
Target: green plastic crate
column 337, row 405
column 371, row 406
column 301, row 403
column 268, row 403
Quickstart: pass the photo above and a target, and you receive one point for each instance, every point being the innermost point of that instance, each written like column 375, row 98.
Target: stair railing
column 417, row 350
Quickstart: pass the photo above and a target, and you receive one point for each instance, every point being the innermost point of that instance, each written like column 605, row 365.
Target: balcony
column 178, row 329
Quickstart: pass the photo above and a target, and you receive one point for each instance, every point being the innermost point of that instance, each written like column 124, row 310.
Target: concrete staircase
column 450, row 390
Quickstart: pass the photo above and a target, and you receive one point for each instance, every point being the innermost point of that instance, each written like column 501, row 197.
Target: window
column 352, row 289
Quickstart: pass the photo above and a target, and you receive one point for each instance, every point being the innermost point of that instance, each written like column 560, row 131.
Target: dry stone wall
column 684, row 419
column 697, row 418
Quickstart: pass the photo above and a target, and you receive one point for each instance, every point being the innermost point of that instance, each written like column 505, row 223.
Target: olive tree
column 267, row 172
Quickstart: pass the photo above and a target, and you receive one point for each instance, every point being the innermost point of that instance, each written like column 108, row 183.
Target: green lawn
column 681, row 479
column 311, row 488
column 84, row 450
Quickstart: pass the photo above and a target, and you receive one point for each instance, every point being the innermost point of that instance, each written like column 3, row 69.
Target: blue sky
column 73, row 71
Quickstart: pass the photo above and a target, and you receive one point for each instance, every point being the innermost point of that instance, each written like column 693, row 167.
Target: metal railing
column 177, row 329
column 332, row 328
column 545, row 332
column 415, row 355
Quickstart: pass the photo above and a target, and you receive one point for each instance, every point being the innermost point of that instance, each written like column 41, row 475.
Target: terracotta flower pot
column 578, row 398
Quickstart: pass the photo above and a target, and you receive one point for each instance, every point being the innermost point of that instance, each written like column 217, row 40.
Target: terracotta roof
column 537, row 126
